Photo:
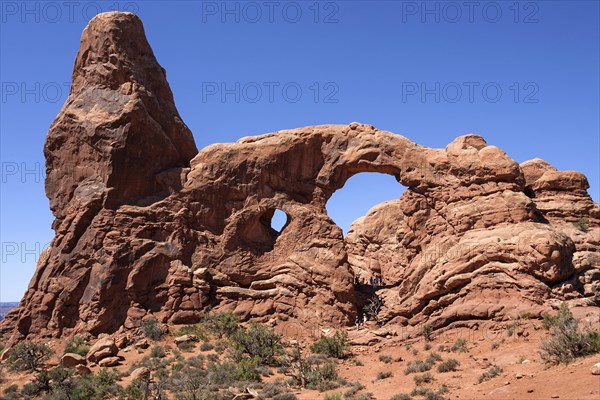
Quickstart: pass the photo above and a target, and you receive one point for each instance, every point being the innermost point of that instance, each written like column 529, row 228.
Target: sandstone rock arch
column 188, row 233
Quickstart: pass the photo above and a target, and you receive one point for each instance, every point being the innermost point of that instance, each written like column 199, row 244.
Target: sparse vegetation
column 492, row 372
column 206, row 346
column 429, row 394
column 196, row 330
column 357, row 387
column 158, row 351
column 272, row 389
column 567, row 341
column 460, row 346
column 77, row 345
column 335, row 346
column 421, row 379
column 152, row 329
column 385, row 359
column 28, row 356
column 448, row 365
column 384, row 375
column 258, row 343
column 401, row 396
column 418, row 366
column 61, row 384
column 427, row 332
column 222, row 324
column 186, row 346
column 583, row 224
column 220, row 347
column 314, row 372
column 433, row 358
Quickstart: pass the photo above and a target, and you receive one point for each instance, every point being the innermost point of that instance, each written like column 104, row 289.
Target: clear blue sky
column 377, row 62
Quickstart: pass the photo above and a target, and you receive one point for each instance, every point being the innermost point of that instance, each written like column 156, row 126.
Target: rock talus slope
column 148, row 226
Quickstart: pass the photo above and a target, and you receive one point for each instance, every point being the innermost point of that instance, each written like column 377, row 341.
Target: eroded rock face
column 145, row 227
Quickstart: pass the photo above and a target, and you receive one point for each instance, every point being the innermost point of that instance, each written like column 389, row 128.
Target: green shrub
column 222, row 324
column 77, row 345
column 60, row 384
column 28, row 356
column 322, row 376
column 206, row 346
column 427, row 332
column 11, row 389
column 220, row 347
column 384, row 375
column 196, row 330
column 152, row 329
column 335, row 346
column 567, row 341
column 490, row 373
column 192, row 382
column 136, row 390
column 333, row 396
column 221, row 373
column 264, row 370
column 158, row 352
column 258, row 342
column 385, row 359
column 186, row 346
column 448, row 365
column 421, row 379
column 246, row 370
column 582, row 224
column 314, row 372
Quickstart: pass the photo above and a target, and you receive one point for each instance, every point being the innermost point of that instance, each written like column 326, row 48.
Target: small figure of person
column 357, row 322
column 364, row 318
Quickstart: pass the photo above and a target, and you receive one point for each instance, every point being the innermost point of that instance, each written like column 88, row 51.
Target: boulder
column 140, row 374
column 142, row 344
column 72, row 360
column 109, row 362
column 82, row 370
column 102, row 349
column 185, row 339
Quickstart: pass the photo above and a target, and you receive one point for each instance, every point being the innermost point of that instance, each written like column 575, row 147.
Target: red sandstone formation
column 147, row 226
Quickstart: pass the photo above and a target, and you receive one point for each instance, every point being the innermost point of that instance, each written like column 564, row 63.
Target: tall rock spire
column 119, row 128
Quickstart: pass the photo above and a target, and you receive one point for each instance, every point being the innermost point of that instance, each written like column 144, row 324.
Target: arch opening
column 275, row 220
column 360, row 193
column 279, row 220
